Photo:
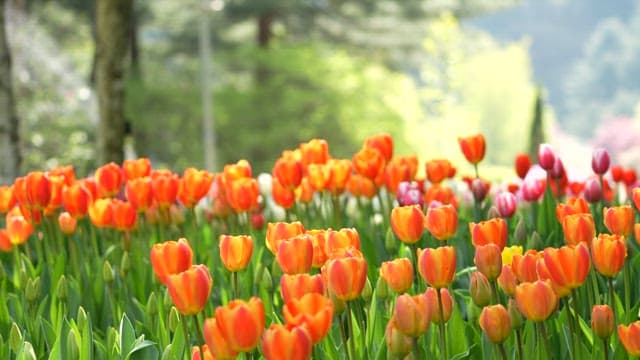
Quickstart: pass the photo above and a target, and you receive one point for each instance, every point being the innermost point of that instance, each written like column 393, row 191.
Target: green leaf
column 127, row 336
column 143, row 350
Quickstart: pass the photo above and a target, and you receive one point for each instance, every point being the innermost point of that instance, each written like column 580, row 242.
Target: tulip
column 190, row 289
column 431, row 297
column 56, row 184
column 600, row 161
column 295, row 255
column 18, row 228
column 536, row 300
column 315, row 151
column 608, row 253
column 345, row 277
column 506, row 203
column 399, row 170
column 546, row 157
column 398, row 274
column 479, row 289
column 495, row 322
column 442, row 221
column 409, row 194
column 297, row 285
column 101, row 212
column 635, row 196
column 361, row 186
column 288, row 170
column 629, row 176
column 304, row 192
column 560, row 289
column 109, row 179
column 37, row 190
column 340, row 172
column 319, row 240
column 438, row 170
column 619, row 220
column 479, row 189
column 136, row 168
column 241, row 323
column 407, row 223
column 124, row 215
column 171, row 257
column 522, row 165
column 602, row 321
column 492, row 231
column 5, row 242
column 242, row 194
column 578, row 228
column 164, row 187
column 473, row 148
column 572, row 206
column 76, row 199
column 440, row 193
column 288, row 342
column 67, row 173
column 508, row 280
column 282, row 196
column 67, row 223
column 524, row 266
column 193, row 186
column 509, row 252
column 369, row 162
column 318, row 175
column 277, row 232
column 630, row 338
column 569, row 265
column 592, row 190
column 7, row 199
column 340, row 240
column 241, row 169
column 532, row 190
column 381, row 142
column 437, row 266
column 313, row 311
column 235, row 251
column 412, row 314
column 488, row 259
column 195, row 353
column 218, row 345
column 139, row 194
column 397, row 342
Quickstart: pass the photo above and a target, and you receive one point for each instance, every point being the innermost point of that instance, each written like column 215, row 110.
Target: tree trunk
column 134, row 44
column 9, row 123
column 113, row 19
column 265, row 20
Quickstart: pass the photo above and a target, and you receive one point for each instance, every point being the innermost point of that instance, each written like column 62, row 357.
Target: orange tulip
column 18, row 228
column 109, row 179
column 7, row 199
column 492, row 231
column 536, row 300
column 190, row 289
column 164, row 187
column 488, row 259
column 560, row 289
column 524, row 266
column 76, row 199
column 304, row 192
column 508, row 280
column 635, row 196
column 339, row 240
column 281, row 342
column 171, row 257
column 438, row 170
column 242, row 194
column 283, row 196
column 412, row 314
column 569, row 265
column 398, row 170
column 442, row 194
column 319, row 240
column 495, row 322
column 124, row 215
column 295, row 255
column 235, row 251
column 608, row 253
column 288, row 170
column 193, row 186
column 602, row 321
column 67, row 173
column 313, row 311
column 5, row 242
column 619, row 220
column 195, row 353
column 318, row 175
column 381, row 142
column 91, row 186
column 578, row 228
column 138, row 193
column 636, row 231
column 315, row 151
column 407, row 223
column 340, row 171
column 398, row 274
column 219, row 347
column 473, row 147
column 442, row 221
column 431, row 296
column 630, row 337
column 241, row 323
column 67, row 223
column 437, row 266
column 572, row 206
column 297, row 285
column 345, row 277
column 522, row 165
column 232, row 172
column 280, row 231
column 136, row 168
column 369, row 162
column 101, row 212
column 56, row 184
column 38, row 190
column 359, row 185
column 397, row 342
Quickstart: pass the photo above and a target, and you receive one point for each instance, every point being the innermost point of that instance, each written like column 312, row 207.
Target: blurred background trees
column 282, row 72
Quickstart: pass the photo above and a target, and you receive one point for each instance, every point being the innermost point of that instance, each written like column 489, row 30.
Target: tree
column 113, row 19
column 537, row 130
column 9, row 122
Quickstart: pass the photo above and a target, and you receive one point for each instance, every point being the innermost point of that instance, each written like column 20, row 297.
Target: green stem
column 344, row 339
column 502, row 352
column 200, row 336
column 571, row 328
column 349, row 313
column 443, row 335
column 543, row 335
column 235, row 285
column 416, row 349
column 519, row 341
column 627, row 290
column 185, row 331
column 611, row 297
column 416, row 273
column 495, row 297
column 576, row 318
column 605, row 345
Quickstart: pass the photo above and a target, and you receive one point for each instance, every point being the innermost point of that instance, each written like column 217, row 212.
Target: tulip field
column 324, row 258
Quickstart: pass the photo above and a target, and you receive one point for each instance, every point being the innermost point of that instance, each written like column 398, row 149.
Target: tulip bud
column 600, row 161
column 73, row 350
column 488, row 259
column 480, row 289
column 390, row 243
column 557, row 170
column 495, row 323
column 167, row 354
column 32, row 291
column 125, row 264
column 27, row 352
column 62, row 288
column 382, row 289
column 15, row 338
column 520, row 234
column 493, row 213
column 367, row 291
column 174, row 319
column 152, row 305
column 535, row 242
column 479, row 189
column 81, row 318
column 107, row 272
column 515, row 315
column 23, row 277
column 263, row 278
column 546, row 156
column 602, row 321
column 112, row 337
column 592, row 190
